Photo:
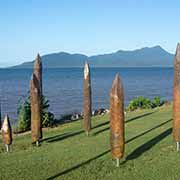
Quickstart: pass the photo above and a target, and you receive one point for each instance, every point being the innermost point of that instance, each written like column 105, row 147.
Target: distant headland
column 145, row 57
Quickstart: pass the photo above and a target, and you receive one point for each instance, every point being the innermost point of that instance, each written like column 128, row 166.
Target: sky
column 91, row 27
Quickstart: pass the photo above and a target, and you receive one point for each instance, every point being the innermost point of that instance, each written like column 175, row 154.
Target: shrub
column 47, row 119
column 144, row 103
column 139, row 103
column 24, row 114
column 157, row 102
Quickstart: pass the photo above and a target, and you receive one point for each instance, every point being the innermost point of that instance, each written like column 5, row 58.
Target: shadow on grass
column 148, row 145
column 145, row 132
column 132, row 119
column 102, row 124
column 100, row 131
column 68, row 135
column 54, row 137
column 78, row 165
column 140, row 116
column 136, row 153
column 62, row 137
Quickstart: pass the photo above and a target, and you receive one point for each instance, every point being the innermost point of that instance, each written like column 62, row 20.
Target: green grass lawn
column 66, row 153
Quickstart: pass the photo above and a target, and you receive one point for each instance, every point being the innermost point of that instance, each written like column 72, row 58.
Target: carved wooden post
column 38, row 74
column 38, row 71
column 176, row 98
column 36, row 129
column 7, row 133
column 117, row 119
column 87, row 99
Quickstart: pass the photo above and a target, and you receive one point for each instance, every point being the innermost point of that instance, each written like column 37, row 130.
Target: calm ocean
column 63, row 87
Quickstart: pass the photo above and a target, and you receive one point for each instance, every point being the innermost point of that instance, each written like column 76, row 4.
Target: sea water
column 64, row 87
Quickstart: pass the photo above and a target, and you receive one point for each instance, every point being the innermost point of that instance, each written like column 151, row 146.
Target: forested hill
column 146, row 57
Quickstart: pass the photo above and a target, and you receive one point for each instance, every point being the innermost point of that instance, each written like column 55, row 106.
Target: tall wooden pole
column 38, row 71
column 0, row 115
column 87, row 99
column 176, row 98
column 36, row 129
column 117, row 141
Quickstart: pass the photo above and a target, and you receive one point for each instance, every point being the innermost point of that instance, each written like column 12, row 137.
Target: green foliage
column 139, row 103
column 144, row 103
column 156, row 102
column 24, row 114
column 47, row 119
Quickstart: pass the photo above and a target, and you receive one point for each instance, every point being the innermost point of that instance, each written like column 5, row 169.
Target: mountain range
column 145, row 57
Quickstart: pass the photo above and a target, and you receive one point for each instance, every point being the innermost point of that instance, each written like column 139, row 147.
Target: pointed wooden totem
column 38, row 71
column 117, row 141
column 36, row 129
column 6, row 133
column 176, row 98
column 87, row 99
